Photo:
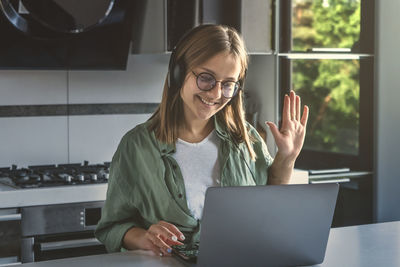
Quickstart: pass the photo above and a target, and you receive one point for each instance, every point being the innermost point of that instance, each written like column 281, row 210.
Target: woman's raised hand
column 290, row 138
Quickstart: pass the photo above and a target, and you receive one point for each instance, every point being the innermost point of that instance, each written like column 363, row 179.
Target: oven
column 60, row 231
column 10, row 236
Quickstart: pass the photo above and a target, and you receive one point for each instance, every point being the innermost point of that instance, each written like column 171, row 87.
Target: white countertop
column 14, row 198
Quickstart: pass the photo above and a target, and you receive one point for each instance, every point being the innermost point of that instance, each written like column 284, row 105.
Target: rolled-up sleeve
column 119, row 213
column 263, row 160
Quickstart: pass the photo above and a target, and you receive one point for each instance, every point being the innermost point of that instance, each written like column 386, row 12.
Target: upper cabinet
column 252, row 18
column 165, row 22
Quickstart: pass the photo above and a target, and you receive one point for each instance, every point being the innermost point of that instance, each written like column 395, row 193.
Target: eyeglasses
column 205, row 82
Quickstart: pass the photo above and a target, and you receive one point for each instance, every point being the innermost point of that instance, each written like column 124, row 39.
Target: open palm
column 290, row 138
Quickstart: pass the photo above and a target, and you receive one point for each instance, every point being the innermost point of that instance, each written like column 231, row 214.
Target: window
column 326, row 57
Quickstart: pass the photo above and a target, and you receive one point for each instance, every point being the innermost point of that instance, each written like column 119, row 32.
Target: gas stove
column 55, row 175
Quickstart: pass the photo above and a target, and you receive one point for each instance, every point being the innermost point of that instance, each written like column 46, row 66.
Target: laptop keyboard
column 187, row 252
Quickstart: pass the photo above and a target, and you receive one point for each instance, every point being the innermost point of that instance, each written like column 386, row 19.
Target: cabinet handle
column 10, row 217
column 46, row 246
column 331, row 181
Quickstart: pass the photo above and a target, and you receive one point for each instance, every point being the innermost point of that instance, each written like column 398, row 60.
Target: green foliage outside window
column 330, row 87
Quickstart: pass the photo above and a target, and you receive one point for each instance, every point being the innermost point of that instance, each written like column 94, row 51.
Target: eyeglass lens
column 206, row 82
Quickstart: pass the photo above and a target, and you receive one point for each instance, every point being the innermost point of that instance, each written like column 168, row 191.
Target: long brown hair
column 196, row 47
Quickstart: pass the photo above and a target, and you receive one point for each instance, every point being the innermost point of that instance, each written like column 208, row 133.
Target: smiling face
column 201, row 105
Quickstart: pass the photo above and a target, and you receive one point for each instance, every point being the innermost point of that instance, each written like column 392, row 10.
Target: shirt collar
column 221, row 129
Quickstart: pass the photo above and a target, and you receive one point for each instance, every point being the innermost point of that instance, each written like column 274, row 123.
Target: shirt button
column 180, row 195
column 174, row 167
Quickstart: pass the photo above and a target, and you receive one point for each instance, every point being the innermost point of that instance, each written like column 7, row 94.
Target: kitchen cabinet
column 354, row 202
column 149, row 35
column 164, row 22
column 252, row 18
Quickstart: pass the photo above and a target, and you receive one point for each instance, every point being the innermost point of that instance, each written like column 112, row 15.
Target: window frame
column 329, row 160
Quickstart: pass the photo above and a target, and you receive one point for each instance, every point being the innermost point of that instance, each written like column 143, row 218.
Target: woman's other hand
column 290, row 138
column 158, row 238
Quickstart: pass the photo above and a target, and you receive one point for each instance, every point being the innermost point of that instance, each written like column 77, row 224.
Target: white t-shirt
column 200, row 169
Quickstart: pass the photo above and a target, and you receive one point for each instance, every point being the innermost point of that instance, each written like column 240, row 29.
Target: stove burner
column 52, row 175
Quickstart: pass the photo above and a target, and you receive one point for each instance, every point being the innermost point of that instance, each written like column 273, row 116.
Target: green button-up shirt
column 146, row 184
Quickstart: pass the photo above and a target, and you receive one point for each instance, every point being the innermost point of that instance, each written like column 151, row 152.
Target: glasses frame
column 237, row 83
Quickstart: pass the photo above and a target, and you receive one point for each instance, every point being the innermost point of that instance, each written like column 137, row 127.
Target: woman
column 197, row 138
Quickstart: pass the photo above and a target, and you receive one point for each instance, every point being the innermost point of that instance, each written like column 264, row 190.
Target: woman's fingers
column 161, row 230
column 298, row 106
column 274, row 129
column 160, row 244
column 286, row 109
column 172, row 228
column 156, row 250
column 304, row 118
column 165, row 234
column 292, row 105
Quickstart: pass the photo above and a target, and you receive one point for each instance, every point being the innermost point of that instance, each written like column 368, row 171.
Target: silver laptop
column 282, row 225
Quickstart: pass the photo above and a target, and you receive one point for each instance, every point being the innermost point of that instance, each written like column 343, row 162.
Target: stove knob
column 68, row 178
column 106, row 175
column 46, row 178
column 81, row 177
column 93, row 177
column 35, row 177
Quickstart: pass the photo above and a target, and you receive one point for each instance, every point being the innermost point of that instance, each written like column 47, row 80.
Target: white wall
column 387, row 132
column 60, row 139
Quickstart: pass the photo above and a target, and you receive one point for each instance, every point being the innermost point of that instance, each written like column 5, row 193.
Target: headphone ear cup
column 176, row 74
column 179, row 73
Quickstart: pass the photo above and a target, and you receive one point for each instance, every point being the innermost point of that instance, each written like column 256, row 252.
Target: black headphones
column 177, row 68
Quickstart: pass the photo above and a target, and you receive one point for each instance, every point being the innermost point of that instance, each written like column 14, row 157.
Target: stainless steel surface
column 46, row 246
column 56, row 219
column 27, row 254
column 60, row 231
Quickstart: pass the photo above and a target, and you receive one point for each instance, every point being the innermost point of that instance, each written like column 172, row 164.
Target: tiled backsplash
column 142, row 82
column 33, row 140
column 61, row 139
column 33, row 87
column 96, row 137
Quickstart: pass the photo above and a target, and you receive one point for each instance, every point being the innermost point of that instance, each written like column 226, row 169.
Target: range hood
column 66, row 34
